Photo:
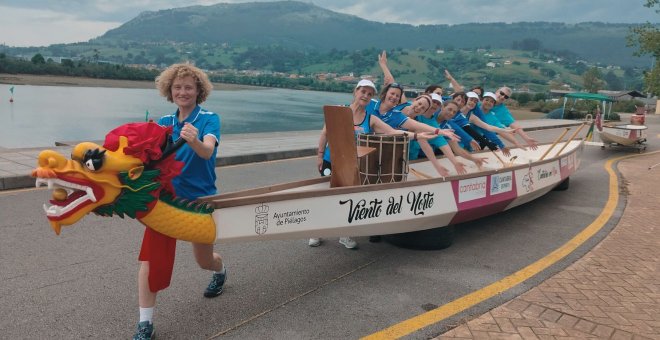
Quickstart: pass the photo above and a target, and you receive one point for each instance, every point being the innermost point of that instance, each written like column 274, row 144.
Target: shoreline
column 49, row 80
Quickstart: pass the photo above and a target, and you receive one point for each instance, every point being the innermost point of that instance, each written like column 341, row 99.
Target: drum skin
column 389, row 163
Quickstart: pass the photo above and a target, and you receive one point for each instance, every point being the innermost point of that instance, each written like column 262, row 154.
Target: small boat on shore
column 627, row 135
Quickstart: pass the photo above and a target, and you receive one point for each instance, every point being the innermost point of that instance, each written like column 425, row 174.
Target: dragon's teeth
column 90, row 194
column 45, row 208
column 50, row 184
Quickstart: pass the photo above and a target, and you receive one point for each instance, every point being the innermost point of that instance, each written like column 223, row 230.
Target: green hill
column 305, row 26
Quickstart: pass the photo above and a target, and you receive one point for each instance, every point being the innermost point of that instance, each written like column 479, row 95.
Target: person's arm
column 388, row 77
column 457, row 87
column 323, row 141
column 492, row 128
column 414, row 125
column 533, row 143
column 465, row 138
column 449, row 154
column 458, row 150
column 428, row 152
column 203, row 148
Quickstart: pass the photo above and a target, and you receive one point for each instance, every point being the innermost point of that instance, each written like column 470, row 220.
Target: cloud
column 36, row 27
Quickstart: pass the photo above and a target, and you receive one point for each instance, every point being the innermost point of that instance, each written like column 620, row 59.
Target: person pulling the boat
column 186, row 86
column 363, row 122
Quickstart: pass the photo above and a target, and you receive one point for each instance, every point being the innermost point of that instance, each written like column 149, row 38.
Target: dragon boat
column 130, row 175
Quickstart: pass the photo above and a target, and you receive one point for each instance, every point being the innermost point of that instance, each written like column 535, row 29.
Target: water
column 42, row 115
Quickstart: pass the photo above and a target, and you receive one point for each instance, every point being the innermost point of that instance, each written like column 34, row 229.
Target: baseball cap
column 490, row 94
column 436, row 97
column 472, row 94
column 367, row 83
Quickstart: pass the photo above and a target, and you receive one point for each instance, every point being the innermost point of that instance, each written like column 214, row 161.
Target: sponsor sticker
column 501, row 183
column 471, row 189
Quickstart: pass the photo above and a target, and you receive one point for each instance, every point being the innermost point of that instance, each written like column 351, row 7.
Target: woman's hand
column 460, row 167
column 475, row 145
column 382, row 59
column 440, row 169
column 449, row 133
column 448, row 75
column 480, row 161
column 189, row 133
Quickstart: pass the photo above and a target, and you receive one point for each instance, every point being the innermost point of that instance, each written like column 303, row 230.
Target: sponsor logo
column 527, row 181
column 471, row 189
column 501, row 183
column 545, row 173
column 261, row 219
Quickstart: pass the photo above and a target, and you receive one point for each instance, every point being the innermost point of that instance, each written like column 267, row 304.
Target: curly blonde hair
column 166, row 78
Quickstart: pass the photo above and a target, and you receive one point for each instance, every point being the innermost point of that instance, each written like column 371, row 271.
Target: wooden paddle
column 341, row 139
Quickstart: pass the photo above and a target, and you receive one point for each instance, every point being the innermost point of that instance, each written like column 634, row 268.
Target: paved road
column 82, row 283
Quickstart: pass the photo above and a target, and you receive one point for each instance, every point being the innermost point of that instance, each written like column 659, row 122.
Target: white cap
column 472, row 94
column 367, row 83
column 490, row 94
column 436, row 97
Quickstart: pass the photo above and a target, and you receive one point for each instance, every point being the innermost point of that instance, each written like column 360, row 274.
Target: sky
column 45, row 22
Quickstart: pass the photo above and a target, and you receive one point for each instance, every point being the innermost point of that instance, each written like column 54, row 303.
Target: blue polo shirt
column 503, row 114
column 197, row 177
column 394, row 118
column 436, row 143
column 492, row 136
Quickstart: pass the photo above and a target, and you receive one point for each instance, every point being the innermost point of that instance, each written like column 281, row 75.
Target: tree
column 647, row 40
column 38, row 59
column 613, row 82
column 591, row 80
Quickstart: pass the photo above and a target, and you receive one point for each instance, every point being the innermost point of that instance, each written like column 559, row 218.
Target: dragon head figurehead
column 124, row 176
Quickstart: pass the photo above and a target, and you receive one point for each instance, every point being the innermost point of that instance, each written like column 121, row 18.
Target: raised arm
column 457, row 87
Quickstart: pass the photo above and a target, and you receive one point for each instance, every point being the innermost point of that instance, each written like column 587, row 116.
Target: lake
column 42, row 115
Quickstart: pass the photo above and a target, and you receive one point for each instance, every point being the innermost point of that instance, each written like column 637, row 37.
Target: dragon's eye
column 93, row 159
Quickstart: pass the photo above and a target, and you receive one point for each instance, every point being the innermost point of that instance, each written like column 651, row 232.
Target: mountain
column 299, row 25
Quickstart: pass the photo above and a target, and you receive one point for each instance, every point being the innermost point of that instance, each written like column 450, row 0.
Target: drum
column 389, row 163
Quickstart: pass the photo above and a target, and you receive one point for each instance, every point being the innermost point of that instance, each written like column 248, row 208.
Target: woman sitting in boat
column 363, row 122
column 488, row 116
column 467, row 102
column 474, row 114
column 504, row 116
column 385, row 110
column 430, row 117
column 450, row 148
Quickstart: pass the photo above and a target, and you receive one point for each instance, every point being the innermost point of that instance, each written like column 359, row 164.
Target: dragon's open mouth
column 68, row 197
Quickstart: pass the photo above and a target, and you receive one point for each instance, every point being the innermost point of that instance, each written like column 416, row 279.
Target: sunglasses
column 396, row 86
column 504, row 95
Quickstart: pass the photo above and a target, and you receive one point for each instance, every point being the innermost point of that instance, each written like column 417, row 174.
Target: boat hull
column 626, row 135
column 313, row 209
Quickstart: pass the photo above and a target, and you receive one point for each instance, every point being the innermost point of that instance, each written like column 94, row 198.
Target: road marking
column 13, row 191
column 454, row 307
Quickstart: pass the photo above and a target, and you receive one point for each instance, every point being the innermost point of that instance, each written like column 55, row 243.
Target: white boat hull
column 313, row 209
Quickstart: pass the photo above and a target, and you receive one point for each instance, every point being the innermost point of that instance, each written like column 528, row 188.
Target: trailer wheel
column 430, row 239
column 563, row 185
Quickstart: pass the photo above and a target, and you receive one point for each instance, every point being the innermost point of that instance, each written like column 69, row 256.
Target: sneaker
column 314, row 242
column 217, row 282
column 145, row 331
column 348, row 242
